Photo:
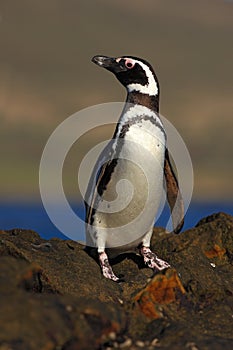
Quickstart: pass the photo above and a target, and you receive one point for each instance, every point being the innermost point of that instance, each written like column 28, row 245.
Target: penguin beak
column 109, row 63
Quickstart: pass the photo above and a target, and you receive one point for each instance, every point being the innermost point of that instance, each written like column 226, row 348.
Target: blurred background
column 46, row 76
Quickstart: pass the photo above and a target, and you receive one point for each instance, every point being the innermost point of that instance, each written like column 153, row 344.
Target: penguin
column 137, row 154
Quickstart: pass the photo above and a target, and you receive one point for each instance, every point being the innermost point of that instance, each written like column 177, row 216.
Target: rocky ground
column 53, row 296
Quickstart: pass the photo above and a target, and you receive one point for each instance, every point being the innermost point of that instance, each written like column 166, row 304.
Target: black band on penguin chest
column 136, row 120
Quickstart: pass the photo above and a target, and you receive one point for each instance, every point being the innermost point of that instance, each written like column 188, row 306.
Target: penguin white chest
column 145, row 140
column 134, row 191
column 144, row 146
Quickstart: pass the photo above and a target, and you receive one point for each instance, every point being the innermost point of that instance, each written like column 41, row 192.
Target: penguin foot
column 106, row 267
column 152, row 261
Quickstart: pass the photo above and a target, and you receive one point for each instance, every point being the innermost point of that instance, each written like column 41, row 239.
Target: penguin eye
column 129, row 64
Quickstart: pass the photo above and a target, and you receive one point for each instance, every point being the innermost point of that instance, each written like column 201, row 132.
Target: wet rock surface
column 53, row 296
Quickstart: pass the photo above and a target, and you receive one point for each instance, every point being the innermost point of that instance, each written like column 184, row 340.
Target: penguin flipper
column 174, row 197
column 97, row 173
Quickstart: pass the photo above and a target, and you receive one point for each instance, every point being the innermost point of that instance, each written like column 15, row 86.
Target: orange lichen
column 161, row 290
column 216, row 252
column 30, row 278
column 32, row 271
column 49, row 346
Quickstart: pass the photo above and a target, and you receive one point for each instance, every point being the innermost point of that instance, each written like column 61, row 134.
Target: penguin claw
column 121, row 279
column 111, row 276
column 152, row 261
column 159, row 265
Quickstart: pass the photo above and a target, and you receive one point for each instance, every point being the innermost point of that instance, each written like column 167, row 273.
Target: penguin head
column 134, row 73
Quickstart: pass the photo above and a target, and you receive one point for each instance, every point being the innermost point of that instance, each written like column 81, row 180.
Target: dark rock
column 53, row 296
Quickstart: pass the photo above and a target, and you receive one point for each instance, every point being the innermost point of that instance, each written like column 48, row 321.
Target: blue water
column 34, row 217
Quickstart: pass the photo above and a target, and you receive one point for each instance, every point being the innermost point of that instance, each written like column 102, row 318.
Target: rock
column 161, row 290
column 53, row 296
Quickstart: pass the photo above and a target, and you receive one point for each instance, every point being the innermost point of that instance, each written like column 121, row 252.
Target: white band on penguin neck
column 151, row 88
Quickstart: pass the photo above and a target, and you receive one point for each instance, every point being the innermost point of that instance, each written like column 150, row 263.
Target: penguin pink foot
column 106, row 267
column 151, row 259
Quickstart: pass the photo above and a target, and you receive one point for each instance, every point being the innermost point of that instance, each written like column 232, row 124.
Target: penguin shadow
column 136, row 258
column 132, row 274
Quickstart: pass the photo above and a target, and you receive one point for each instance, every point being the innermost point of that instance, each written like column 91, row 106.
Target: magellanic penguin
column 137, row 153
